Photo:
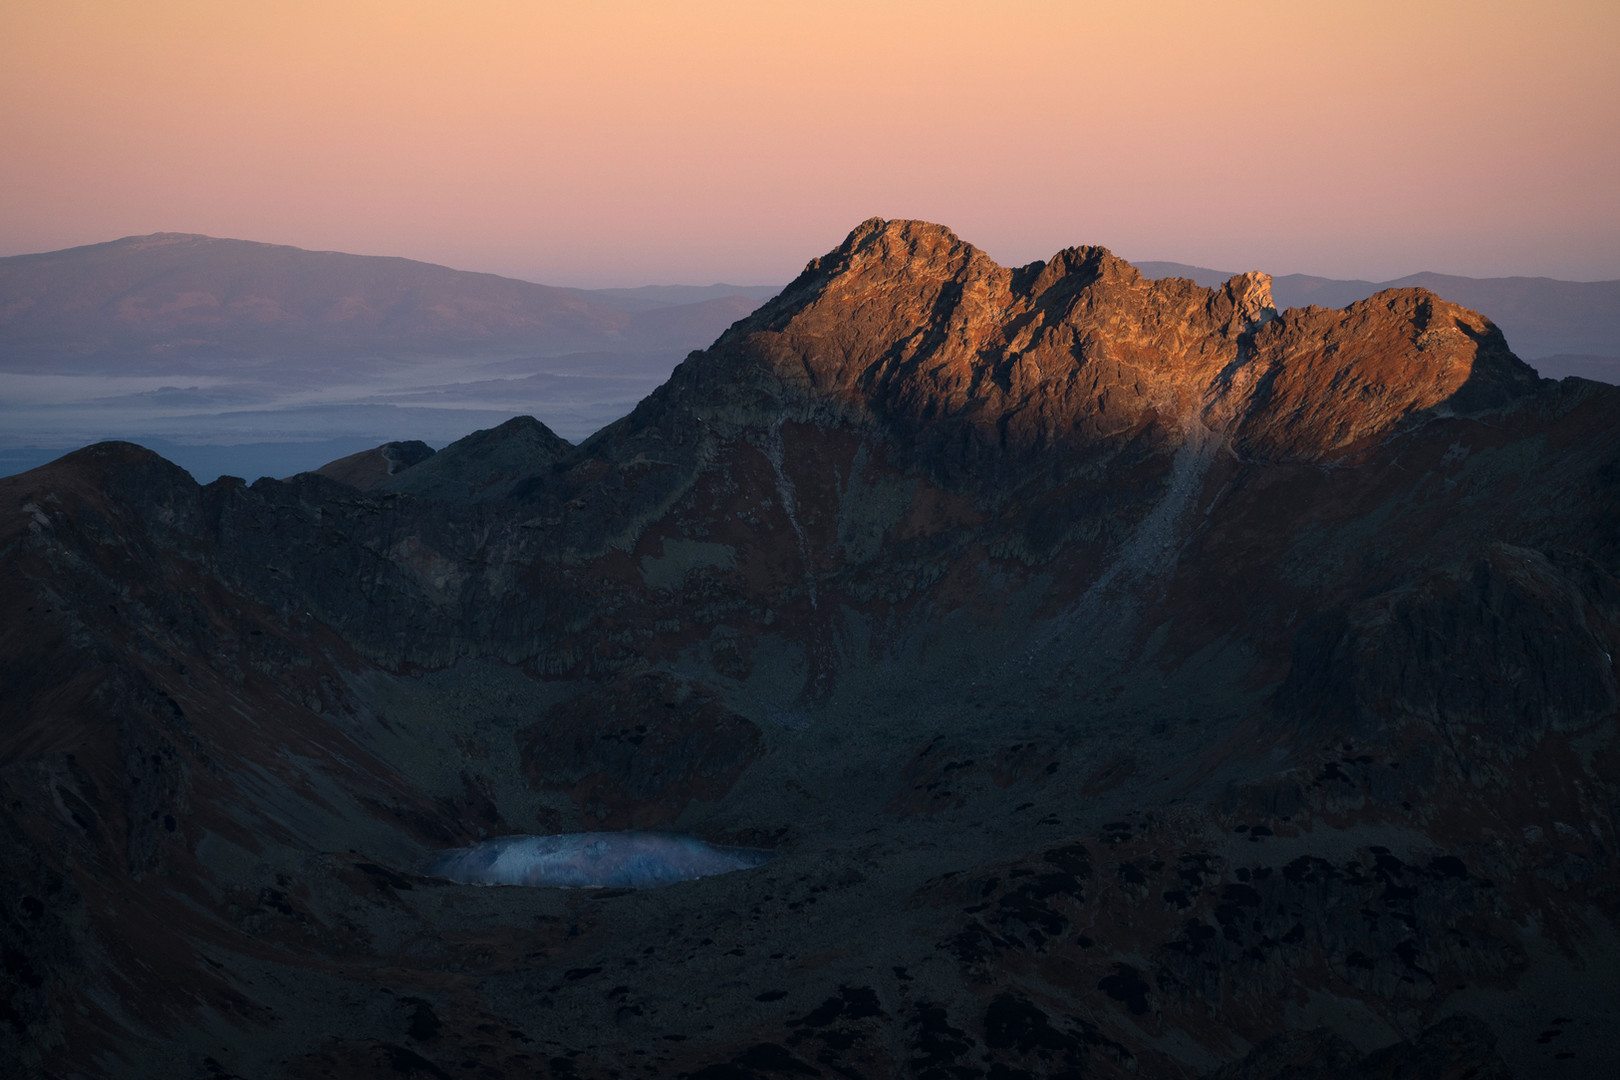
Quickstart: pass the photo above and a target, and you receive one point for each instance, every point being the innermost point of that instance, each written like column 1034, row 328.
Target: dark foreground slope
column 1131, row 679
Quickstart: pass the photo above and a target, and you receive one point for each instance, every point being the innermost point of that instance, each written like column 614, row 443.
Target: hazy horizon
column 735, row 284
column 629, row 143
column 738, row 281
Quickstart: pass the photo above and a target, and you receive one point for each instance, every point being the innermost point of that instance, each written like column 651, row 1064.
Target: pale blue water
column 623, row 860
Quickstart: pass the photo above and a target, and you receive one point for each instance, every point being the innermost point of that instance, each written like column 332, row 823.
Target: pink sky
column 624, row 142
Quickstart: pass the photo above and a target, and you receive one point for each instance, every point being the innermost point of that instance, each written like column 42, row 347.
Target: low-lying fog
column 266, row 422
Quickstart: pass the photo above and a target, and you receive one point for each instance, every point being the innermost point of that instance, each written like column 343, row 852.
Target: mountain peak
column 371, row 467
column 879, row 248
column 906, row 238
column 487, row 464
column 906, row 326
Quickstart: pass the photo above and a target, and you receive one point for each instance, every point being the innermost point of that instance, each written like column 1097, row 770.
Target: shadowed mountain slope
column 485, row 464
column 1129, row 679
column 371, row 467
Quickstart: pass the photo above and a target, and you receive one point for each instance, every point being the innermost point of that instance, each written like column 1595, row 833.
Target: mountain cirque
column 1128, row 677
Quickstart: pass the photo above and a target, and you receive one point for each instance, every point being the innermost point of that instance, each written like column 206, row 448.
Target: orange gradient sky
column 624, row 142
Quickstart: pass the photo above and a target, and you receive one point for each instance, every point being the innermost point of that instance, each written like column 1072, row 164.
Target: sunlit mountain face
column 1075, row 672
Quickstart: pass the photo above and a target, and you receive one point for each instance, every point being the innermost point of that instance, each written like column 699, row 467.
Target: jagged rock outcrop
column 1124, row 673
column 908, row 326
column 988, row 379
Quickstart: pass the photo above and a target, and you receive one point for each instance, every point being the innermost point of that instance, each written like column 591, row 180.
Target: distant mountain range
column 174, row 302
column 245, row 357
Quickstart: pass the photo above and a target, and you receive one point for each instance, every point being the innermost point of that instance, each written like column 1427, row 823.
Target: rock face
column 907, row 325
column 1127, row 678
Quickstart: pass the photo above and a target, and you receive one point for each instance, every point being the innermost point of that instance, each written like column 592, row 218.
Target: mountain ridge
column 1264, row 710
column 1544, row 317
column 248, row 329
column 970, row 399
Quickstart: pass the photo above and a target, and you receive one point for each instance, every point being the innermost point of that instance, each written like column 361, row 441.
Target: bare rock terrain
column 1129, row 678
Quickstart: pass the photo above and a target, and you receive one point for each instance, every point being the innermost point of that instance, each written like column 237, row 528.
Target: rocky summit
column 1117, row 677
